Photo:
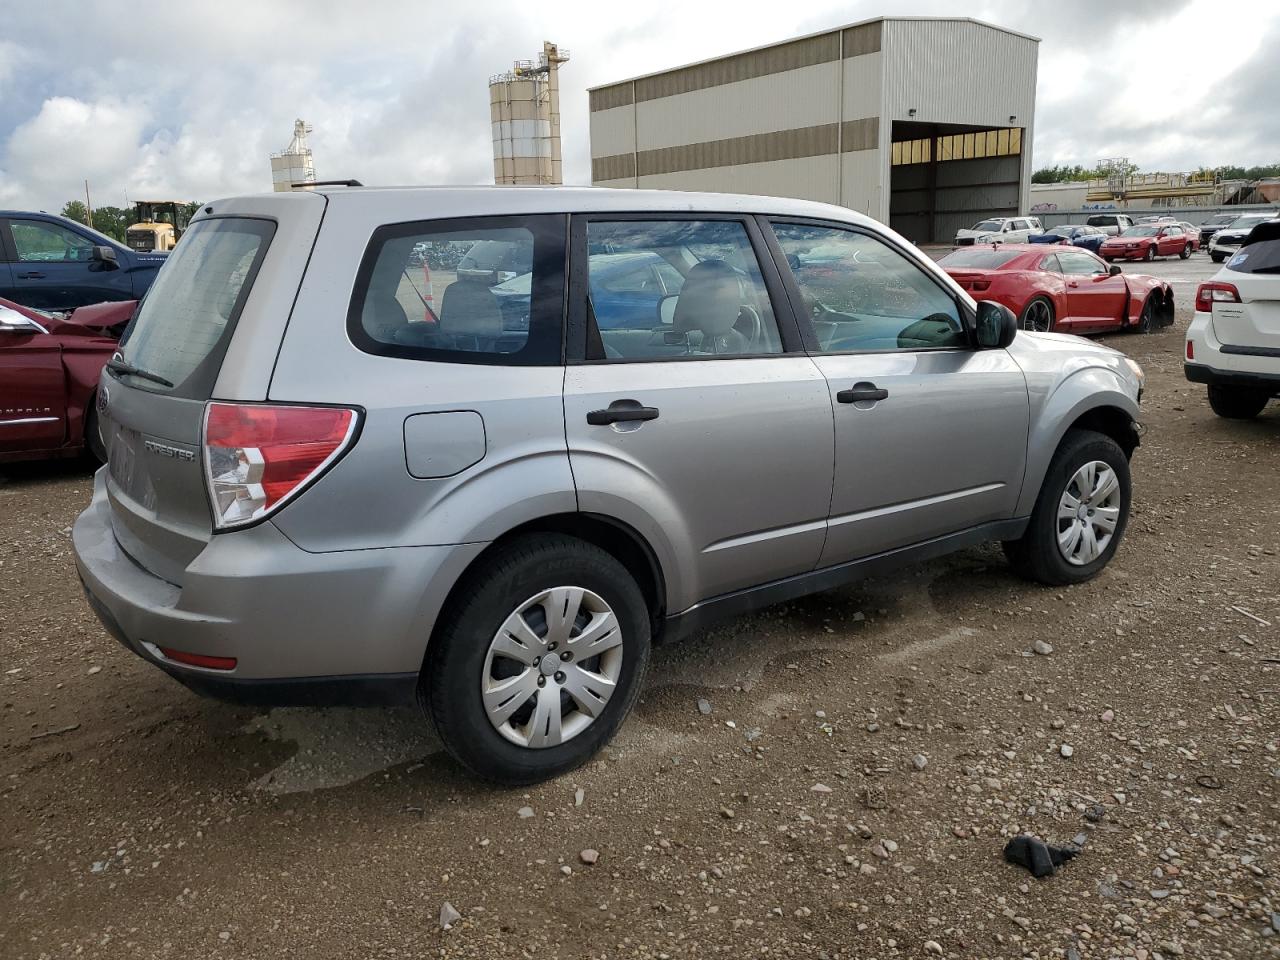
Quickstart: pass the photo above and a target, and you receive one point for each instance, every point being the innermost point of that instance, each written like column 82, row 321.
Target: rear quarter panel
column 369, row 499
column 1015, row 289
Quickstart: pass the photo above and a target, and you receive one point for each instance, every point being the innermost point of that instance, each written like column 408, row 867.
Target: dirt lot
column 867, row 755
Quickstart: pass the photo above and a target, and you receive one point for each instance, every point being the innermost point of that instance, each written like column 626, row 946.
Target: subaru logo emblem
column 104, row 398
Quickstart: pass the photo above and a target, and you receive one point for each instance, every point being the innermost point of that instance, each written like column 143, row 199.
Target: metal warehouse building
column 922, row 123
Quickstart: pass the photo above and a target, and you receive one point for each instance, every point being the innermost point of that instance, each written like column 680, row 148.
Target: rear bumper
column 348, row 627
column 1200, row 373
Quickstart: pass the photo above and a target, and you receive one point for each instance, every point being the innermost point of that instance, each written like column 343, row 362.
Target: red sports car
column 1146, row 241
column 49, row 369
column 1061, row 288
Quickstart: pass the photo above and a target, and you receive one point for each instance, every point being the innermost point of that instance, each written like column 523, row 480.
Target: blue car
column 1078, row 235
column 626, row 289
column 55, row 264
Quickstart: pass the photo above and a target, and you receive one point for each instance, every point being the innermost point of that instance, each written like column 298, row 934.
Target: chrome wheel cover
column 552, row 667
column 1088, row 513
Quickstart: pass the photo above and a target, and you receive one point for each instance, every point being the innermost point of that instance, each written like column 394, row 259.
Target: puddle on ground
column 339, row 746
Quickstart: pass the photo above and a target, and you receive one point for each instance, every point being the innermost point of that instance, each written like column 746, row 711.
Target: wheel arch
column 620, row 540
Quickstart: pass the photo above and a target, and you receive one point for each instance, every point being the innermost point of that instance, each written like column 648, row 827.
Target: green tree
column 77, row 211
column 1074, row 173
column 112, row 221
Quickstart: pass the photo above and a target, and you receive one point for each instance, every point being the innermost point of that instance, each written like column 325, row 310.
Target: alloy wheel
column 1039, row 317
column 552, row 667
column 1088, row 513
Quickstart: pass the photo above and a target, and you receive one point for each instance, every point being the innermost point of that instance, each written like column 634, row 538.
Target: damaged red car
column 1060, row 288
column 49, row 369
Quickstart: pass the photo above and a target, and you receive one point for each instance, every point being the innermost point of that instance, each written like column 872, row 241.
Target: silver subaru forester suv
column 481, row 447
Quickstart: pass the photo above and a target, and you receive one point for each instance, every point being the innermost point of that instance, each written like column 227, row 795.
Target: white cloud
column 189, row 100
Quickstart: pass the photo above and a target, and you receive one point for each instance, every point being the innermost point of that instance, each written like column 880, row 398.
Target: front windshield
column 1243, row 223
column 988, row 225
column 1141, row 232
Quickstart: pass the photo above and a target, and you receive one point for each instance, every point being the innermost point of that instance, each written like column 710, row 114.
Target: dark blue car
column 1078, row 235
column 52, row 263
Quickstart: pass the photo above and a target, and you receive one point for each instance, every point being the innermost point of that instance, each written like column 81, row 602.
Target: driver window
column 704, row 295
column 862, row 295
column 1081, row 265
column 41, row 242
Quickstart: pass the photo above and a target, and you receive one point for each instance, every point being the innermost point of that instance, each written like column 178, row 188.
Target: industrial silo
column 524, row 107
column 293, row 164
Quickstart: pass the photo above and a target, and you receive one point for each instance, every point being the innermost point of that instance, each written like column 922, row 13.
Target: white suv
column 1000, row 230
column 1233, row 344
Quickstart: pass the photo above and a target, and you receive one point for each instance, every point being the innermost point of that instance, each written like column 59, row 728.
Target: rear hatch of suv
column 208, row 328
column 1251, row 326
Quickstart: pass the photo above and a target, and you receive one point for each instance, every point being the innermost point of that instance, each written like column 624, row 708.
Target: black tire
column 1147, row 319
column 1025, row 318
column 1237, row 403
column 1036, row 555
column 455, row 662
column 1150, row 254
column 1186, row 251
column 93, row 443
column 1218, row 257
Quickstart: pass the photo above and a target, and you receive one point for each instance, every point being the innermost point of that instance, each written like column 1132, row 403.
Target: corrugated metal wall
column 769, row 120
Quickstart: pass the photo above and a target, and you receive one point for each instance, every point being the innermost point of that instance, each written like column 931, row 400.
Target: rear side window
column 483, row 290
column 184, row 323
column 666, row 289
column 1261, row 256
column 1102, row 221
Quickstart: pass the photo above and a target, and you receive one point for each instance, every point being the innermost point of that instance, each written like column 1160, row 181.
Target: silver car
column 337, row 477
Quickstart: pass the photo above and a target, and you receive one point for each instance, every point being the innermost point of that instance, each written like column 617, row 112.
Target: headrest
column 710, row 299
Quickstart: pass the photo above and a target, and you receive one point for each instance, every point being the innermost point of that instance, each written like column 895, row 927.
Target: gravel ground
column 866, row 755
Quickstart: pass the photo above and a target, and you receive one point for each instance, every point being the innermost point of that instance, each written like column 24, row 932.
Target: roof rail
column 327, row 183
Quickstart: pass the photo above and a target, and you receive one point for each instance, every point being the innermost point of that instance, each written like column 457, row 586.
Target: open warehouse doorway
column 945, row 177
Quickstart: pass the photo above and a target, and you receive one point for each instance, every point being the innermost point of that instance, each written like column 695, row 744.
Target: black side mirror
column 1115, row 270
column 996, row 325
column 105, row 254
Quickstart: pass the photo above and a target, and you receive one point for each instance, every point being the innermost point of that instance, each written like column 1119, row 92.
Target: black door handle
column 31, row 275
column 860, row 392
column 621, row 411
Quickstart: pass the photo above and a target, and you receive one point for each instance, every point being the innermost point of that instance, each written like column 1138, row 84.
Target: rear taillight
column 258, row 456
column 1207, row 294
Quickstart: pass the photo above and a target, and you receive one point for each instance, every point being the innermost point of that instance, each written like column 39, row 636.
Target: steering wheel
column 756, row 336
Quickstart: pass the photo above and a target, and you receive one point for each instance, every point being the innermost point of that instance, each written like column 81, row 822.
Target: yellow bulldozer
column 160, row 225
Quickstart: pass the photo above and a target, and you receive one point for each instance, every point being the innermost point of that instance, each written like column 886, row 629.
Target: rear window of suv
column 1262, row 255
column 476, row 290
column 184, row 323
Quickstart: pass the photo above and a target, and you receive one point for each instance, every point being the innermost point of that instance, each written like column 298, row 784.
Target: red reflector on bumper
column 1191, row 350
column 199, row 659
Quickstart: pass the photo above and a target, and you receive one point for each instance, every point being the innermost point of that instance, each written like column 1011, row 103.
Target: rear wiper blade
column 120, row 365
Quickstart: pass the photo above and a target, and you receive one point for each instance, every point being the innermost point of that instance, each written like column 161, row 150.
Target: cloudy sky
column 189, row 100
